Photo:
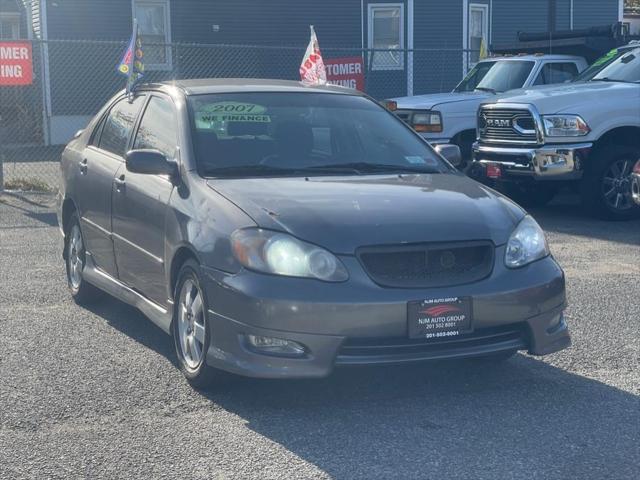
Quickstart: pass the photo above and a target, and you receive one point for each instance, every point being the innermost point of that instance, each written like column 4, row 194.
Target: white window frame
column 371, row 8
column 15, row 27
column 168, row 65
column 485, row 26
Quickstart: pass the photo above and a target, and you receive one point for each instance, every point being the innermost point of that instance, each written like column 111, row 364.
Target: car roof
column 203, row 86
column 532, row 57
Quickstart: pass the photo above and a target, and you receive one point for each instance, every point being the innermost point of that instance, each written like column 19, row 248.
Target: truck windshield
column 598, row 65
column 498, row 76
column 474, row 77
column 303, row 134
column 625, row 69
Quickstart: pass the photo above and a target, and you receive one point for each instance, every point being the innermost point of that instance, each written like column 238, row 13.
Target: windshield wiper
column 486, row 89
column 613, row 80
column 248, row 169
column 365, row 167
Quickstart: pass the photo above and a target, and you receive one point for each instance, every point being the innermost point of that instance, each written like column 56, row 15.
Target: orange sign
column 16, row 63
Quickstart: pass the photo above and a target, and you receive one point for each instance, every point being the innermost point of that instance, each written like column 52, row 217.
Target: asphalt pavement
column 95, row 393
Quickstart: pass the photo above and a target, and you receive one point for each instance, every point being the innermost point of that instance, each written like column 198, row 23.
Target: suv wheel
column 606, row 188
column 190, row 327
column 75, row 256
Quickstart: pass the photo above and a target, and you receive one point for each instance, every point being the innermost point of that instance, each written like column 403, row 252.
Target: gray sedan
column 279, row 230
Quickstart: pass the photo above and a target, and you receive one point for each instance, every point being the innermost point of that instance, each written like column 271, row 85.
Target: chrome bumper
column 554, row 162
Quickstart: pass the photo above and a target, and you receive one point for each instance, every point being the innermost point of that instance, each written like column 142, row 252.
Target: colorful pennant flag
column 132, row 63
column 484, row 53
column 312, row 70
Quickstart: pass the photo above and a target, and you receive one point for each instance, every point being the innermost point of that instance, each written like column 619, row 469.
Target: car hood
column 427, row 102
column 567, row 98
column 344, row 213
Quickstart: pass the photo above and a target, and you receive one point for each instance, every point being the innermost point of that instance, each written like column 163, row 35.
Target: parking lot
column 95, row 393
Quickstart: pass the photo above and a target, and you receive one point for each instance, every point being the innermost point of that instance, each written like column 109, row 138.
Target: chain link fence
column 72, row 79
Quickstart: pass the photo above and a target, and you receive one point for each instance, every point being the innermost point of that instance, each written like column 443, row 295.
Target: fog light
column 555, row 322
column 275, row 346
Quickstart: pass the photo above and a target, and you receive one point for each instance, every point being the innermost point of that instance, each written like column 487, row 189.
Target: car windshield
column 598, row 65
column 625, row 69
column 474, row 77
column 506, row 75
column 295, row 134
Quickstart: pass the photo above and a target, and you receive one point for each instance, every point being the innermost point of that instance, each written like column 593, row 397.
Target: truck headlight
column 427, row 122
column 526, row 244
column 281, row 254
column 565, row 126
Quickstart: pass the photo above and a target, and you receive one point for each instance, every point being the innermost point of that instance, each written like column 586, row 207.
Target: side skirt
column 156, row 313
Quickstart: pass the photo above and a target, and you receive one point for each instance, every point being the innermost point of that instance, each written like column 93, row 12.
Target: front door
column 99, row 162
column 140, row 205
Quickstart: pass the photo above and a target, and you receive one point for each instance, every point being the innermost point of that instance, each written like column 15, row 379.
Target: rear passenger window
column 119, row 124
column 159, row 128
column 556, row 73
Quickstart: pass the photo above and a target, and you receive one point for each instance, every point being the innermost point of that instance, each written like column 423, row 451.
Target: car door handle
column 120, row 183
column 83, row 167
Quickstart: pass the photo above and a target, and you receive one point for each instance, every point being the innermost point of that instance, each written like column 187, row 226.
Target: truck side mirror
column 450, row 153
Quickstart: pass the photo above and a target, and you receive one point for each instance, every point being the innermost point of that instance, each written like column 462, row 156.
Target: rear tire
column 83, row 293
column 606, row 186
column 191, row 332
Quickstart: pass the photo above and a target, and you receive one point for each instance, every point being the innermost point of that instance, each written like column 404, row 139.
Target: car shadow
column 459, row 419
column 565, row 215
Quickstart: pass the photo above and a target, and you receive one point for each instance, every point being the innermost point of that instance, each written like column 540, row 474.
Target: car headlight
column 430, row 122
column 281, row 254
column 526, row 244
column 565, row 126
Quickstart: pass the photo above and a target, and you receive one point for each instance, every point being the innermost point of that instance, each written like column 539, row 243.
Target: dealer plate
column 440, row 317
column 494, row 170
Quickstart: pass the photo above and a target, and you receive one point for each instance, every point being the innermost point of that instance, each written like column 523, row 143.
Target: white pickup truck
column 585, row 134
column 451, row 117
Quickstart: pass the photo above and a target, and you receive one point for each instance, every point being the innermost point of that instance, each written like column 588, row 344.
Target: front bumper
column 360, row 323
column 549, row 162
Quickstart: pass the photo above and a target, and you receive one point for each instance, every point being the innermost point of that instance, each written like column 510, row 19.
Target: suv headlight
column 526, row 244
column 565, row 126
column 281, row 254
column 427, row 122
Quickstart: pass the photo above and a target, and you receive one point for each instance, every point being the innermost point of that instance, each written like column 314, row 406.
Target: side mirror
column 450, row 153
column 151, row 162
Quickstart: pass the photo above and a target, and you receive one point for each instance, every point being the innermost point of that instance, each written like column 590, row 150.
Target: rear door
column 140, row 205
column 556, row 72
column 99, row 162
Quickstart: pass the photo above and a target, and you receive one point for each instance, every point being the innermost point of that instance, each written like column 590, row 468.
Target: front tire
column 191, row 331
column 606, row 187
column 83, row 293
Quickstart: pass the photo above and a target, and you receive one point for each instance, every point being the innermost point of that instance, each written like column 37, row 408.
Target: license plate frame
column 437, row 318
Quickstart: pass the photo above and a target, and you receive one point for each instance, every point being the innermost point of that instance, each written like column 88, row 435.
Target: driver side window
column 159, row 128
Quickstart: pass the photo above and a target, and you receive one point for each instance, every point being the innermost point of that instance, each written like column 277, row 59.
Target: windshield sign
column 275, row 134
column 625, row 69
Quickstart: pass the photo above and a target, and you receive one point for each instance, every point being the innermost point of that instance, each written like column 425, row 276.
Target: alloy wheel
column 616, row 185
column 75, row 257
column 191, row 325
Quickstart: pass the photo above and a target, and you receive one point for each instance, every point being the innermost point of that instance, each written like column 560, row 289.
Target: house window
column 9, row 26
column 154, row 22
column 386, row 34
column 478, row 31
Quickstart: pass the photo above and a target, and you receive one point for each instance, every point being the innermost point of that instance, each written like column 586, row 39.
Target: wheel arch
column 181, row 255
column 627, row 135
column 68, row 208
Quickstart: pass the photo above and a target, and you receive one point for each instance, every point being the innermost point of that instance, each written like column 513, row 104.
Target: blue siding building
column 408, row 46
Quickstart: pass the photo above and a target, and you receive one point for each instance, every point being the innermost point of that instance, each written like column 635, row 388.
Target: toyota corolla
column 279, row 230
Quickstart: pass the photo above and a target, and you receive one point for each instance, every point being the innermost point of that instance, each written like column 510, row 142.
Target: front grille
column 356, row 351
column 507, row 125
column 428, row 265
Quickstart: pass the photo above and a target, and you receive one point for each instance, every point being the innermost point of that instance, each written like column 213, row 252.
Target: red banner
column 16, row 63
column 347, row 72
